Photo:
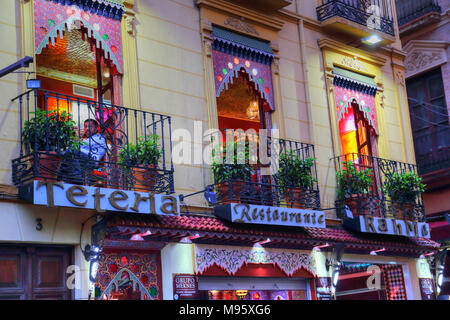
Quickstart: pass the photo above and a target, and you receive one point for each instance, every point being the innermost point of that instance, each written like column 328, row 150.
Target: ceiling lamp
column 375, row 252
column 372, row 40
column 253, row 110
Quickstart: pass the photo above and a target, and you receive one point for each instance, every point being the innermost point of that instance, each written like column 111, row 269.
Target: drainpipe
column 301, row 39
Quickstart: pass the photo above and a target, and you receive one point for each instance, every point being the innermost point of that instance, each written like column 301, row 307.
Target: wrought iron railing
column 372, row 198
column 409, row 10
column 375, row 14
column 80, row 141
column 253, row 182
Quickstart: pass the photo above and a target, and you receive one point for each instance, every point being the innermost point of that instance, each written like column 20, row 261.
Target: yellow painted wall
column 170, row 78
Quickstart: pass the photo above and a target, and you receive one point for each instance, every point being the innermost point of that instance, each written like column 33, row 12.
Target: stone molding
column 424, row 55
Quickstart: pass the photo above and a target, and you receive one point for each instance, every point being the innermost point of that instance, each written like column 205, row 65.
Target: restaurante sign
column 58, row 194
column 255, row 214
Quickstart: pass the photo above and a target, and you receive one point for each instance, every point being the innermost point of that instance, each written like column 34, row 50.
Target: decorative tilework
column 141, row 269
column 395, row 284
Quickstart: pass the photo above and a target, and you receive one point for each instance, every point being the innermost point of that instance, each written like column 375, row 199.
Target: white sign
column 394, row 227
column 255, row 214
column 103, row 199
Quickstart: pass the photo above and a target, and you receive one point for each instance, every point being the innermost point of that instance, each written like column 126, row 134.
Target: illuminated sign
column 58, row 194
column 255, row 214
column 387, row 226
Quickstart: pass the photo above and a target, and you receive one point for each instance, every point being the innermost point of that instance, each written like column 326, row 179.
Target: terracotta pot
column 294, row 198
column 224, row 192
column 144, row 178
column 366, row 203
column 48, row 165
column 403, row 210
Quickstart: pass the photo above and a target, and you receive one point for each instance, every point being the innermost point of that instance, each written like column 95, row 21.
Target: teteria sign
column 58, row 194
column 394, row 227
column 256, row 214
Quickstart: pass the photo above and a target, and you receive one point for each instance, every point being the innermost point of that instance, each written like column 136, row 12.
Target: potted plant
column 353, row 184
column 403, row 188
column 230, row 177
column 46, row 135
column 294, row 176
column 140, row 160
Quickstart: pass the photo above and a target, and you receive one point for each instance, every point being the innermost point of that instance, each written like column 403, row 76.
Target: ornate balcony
column 361, row 18
column 410, row 11
column 292, row 182
column 80, row 141
column 371, row 186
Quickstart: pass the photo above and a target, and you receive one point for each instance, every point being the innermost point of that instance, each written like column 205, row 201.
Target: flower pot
column 46, row 165
column 294, row 198
column 224, row 190
column 144, row 178
column 403, row 210
column 369, row 205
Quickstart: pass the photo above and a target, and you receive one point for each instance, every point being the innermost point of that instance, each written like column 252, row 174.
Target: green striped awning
column 238, row 44
column 353, row 80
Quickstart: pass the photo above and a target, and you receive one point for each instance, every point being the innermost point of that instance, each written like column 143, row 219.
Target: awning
column 355, row 81
column 240, row 45
column 212, row 230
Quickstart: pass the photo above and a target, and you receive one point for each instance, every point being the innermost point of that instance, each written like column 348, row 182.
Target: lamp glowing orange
column 59, row 105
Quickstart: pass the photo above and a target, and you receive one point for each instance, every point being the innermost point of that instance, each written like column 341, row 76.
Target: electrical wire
column 424, row 104
column 430, row 122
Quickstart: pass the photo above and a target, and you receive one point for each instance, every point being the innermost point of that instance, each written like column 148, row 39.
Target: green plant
column 238, row 169
column 52, row 130
column 295, row 172
column 352, row 180
column 403, row 187
column 145, row 152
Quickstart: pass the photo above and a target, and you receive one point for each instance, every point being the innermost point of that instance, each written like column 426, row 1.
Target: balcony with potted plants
column 79, row 141
column 292, row 182
column 362, row 19
column 378, row 187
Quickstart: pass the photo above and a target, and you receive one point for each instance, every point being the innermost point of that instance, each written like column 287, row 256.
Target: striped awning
column 242, row 46
column 354, row 81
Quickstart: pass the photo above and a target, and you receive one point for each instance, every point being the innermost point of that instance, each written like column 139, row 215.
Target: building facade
column 423, row 27
column 135, row 97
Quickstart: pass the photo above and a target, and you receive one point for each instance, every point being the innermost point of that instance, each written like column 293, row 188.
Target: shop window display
column 253, row 295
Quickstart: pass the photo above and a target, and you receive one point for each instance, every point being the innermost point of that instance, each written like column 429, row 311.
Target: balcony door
column 429, row 120
column 363, row 133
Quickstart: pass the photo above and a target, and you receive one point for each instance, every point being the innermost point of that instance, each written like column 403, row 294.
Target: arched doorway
column 241, row 105
column 74, row 65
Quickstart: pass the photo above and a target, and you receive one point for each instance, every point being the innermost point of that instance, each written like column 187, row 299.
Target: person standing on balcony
column 94, row 146
column 92, row 150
